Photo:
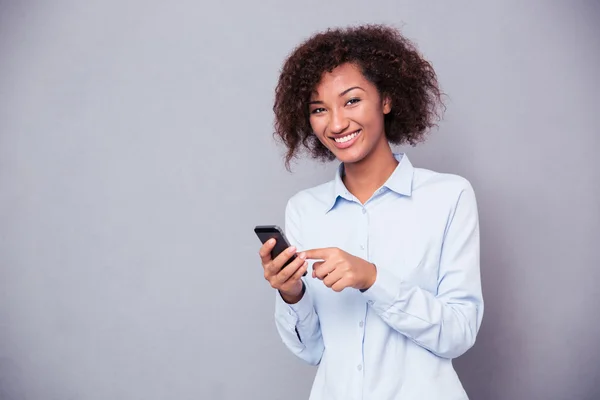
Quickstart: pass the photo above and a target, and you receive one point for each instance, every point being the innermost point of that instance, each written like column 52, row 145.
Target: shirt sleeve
column 445, row 323
column 298, row 324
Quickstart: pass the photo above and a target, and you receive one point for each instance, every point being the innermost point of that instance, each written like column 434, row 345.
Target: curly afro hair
column 386, row 58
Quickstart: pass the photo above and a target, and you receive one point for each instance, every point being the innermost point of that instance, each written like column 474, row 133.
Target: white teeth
column 344, row 139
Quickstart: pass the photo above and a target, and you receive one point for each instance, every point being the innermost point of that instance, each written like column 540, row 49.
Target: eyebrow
column 341, row 94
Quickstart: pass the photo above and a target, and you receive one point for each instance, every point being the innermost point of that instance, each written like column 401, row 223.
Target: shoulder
column 441, row 185
column 444, row 198
column 442, row 194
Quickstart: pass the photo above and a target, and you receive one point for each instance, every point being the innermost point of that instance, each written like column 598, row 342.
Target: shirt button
column 362, row 246
column 364, row 210
column 370, row 302
column 361, row 324
column 359, row 367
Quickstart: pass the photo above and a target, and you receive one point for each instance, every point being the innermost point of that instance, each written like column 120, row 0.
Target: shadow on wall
column 13, row 383
column 481, row 368
column 11, row 387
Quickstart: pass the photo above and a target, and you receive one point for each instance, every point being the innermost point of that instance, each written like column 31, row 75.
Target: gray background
column 136, row 156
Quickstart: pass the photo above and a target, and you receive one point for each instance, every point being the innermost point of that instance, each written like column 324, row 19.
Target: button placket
column 364, row 229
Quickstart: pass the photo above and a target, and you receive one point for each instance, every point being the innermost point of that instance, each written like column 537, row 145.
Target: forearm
column 445, row 326
column 299, row 328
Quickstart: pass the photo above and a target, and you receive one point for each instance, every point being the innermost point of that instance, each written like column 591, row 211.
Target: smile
column 346, row 141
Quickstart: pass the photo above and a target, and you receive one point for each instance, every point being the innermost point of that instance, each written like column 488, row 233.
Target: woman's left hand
column 340, row 270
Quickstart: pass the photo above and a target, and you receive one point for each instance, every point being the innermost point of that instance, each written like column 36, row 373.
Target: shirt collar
column 400, row 181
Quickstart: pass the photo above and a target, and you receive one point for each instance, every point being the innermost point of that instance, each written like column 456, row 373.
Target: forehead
column 340, row 79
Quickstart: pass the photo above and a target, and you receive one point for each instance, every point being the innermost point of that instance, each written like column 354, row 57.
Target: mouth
column 345, row 141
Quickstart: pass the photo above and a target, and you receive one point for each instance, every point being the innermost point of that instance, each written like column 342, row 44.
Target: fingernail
column 291, row 250
column 302, row 255
column 271, row 241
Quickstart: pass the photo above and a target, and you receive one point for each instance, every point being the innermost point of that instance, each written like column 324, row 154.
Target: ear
column 387, row 104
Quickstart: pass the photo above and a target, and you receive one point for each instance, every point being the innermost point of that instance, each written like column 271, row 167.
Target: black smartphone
column 266, row 232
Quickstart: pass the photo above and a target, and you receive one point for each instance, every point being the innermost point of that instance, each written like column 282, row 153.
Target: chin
column 350, row 156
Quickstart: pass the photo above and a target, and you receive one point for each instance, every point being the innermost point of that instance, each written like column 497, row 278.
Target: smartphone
column 266, row 232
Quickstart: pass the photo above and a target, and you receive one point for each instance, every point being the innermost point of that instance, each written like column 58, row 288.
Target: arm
column 298, row 323
column 447, row 323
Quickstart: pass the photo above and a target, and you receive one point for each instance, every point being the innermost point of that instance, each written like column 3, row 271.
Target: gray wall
column 136, row 157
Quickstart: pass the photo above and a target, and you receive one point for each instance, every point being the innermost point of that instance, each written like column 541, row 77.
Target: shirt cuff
column 299, row 311
column 382, row 295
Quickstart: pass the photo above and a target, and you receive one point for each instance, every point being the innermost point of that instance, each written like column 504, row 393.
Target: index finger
column 265, row 250
column 318, row 254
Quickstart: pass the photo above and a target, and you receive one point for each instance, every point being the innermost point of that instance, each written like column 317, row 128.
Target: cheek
column 318, row 126
column 373, row 119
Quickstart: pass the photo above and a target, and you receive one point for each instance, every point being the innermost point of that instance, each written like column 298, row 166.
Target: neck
column 366, row 176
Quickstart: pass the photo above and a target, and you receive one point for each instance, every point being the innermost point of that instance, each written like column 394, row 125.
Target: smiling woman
column 378, row 57
column 394, row 291
column 345, row 114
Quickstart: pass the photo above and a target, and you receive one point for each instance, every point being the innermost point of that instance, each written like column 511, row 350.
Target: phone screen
column 267, row 232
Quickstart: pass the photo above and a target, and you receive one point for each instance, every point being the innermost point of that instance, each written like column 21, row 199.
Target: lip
column 349, row 143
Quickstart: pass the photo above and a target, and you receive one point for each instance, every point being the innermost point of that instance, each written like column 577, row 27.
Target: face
column 347, row 114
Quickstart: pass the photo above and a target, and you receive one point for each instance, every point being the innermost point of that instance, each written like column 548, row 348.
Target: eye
column 353, row 101
column 317, row 111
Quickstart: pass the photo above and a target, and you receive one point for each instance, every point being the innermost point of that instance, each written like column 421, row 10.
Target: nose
column 338, row 123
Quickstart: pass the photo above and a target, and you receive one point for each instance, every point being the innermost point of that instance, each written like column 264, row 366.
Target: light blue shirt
column 397, row 339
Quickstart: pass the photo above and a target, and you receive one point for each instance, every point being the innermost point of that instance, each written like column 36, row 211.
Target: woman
column 393, row 289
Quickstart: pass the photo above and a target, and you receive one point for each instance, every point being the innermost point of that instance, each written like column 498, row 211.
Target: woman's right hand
column 287, row 280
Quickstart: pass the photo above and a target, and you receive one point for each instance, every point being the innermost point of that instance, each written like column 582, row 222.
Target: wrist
column 371, row 277
column 292, row 298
